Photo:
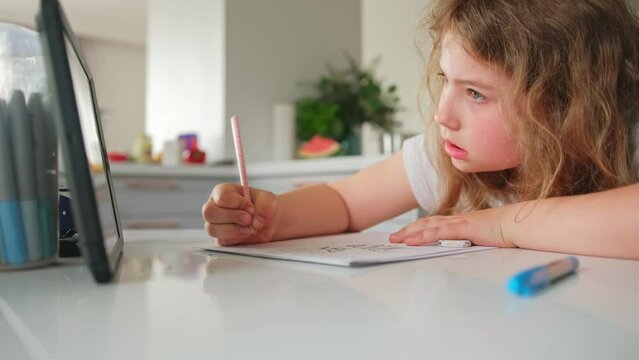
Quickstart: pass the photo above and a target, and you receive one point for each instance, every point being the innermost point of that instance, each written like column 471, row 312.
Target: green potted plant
column 346, row 99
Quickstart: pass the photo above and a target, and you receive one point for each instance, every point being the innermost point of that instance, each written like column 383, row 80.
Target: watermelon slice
column 318, row 147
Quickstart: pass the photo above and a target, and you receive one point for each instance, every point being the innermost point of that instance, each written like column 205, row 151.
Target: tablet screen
column 92, row 136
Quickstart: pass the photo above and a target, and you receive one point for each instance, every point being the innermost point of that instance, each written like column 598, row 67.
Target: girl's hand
column 234, row 220
column 483, row 227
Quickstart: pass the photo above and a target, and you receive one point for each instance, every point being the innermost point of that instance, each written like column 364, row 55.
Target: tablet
column 75, row 111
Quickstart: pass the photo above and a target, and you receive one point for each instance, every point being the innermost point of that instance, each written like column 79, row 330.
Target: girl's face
column 470, row 113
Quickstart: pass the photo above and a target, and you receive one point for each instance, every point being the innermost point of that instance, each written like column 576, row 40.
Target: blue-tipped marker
column 2, row 259
column 14, row 246
column 24, row 166
column 531, row 281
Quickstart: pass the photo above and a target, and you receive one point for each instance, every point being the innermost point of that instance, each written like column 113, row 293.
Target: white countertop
column 172, row 301
column 337, row 165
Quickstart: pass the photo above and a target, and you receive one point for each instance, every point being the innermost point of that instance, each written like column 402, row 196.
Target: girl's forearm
column 600, row 224
column 311, row 210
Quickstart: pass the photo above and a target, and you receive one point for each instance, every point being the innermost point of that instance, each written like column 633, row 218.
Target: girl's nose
column 445, row 114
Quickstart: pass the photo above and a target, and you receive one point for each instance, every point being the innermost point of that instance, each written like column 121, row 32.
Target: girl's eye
column 476, row 96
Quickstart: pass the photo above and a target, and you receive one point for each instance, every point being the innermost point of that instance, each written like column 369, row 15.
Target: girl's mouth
column 454, row 151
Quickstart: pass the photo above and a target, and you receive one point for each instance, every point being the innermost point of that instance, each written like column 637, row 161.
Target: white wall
column 272, row 47
column 121, row 21
column 119, row 75
column 185, row 72
column 389, row 30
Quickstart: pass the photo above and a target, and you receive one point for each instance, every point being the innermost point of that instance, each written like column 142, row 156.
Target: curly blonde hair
column 574, row 99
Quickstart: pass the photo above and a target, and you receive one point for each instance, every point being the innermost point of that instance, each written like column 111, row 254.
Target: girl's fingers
column 233, row 219
column 425, row 236
column 410, row 230
column 265, row 208
column 216, row 215
column 232, row 234
column 482, row 227
column 229, row 234
column 405, row 232
column 230, row 196
column 434, row 233
column 427, row 231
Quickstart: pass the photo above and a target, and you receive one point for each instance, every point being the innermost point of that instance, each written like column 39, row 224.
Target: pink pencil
column 239, row 154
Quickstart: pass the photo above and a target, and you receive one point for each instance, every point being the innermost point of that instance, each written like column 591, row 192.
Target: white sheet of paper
column 354, row 249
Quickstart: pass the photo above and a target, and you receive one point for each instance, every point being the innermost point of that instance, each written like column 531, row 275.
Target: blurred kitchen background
column 166, row 68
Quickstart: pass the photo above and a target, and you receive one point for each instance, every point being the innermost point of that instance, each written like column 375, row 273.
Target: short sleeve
column 421, row 173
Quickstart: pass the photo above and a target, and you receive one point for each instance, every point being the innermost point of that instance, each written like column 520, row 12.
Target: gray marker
column 14, row 246
column 24, row 161
column 48, row 235
column 52, row 168
column 2, row 260
column 3, row 106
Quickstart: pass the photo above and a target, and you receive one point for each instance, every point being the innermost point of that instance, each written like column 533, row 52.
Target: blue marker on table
column 14, row 245
column 531, row 281
column 24, row 166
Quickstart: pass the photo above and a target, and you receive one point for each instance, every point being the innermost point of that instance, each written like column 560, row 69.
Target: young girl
column 532, row 144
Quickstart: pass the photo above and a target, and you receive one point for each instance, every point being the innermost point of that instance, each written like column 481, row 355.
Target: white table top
column 172, row 301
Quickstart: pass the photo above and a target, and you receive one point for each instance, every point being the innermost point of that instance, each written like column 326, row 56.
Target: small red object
column 194, row 156
column 115, row 156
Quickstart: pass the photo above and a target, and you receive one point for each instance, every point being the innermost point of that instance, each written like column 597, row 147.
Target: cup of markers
column 28, row 155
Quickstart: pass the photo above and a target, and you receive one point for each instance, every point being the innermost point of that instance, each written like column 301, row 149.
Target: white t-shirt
column 421, row 173
column 424, row 180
